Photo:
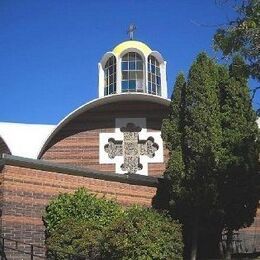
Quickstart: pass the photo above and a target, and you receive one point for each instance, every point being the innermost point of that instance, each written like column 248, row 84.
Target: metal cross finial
column 131, row 30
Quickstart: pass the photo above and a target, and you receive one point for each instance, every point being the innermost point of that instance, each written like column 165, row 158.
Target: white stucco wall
column 25, row 140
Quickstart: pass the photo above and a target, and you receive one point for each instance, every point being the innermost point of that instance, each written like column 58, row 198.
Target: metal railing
column 15, row 245
column 31, row 250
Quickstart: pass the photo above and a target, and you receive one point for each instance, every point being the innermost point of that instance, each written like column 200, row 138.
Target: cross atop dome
column 132, row 28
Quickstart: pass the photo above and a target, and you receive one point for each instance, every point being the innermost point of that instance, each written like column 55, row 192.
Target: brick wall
column 25, row 192
column 77, row 143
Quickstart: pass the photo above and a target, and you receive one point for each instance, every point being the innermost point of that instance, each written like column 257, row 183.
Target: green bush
column 82, row 224
column 80, row 205
column 76, row 238
column 143, row 233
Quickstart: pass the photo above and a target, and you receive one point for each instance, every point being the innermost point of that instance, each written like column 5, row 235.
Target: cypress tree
column 202, row 143
column 172, row 134
column 238, row 195
column 193, row 136
column 211, row 135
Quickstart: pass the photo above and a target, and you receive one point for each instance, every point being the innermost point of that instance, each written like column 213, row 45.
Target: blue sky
column 49, row 49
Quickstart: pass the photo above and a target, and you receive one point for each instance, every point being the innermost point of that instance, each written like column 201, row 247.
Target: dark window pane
column 110, row 79
column 132, row 84
column 105, row 92
column 159, row 90
column 125, row 57
column 153, row 78
column 153, row 88
column 124, row 85
column 132, row 75
column 125, row 75
column 138, row 57
column 131, row 56
column 153, row 68
column 111, row 70
column 132, row 65
column 124, row 65
column 157, row 71
column 149, row 87
column 139, row 75
column 111, row 88
column 139, row 65
column 158, row 80
column 149, row 67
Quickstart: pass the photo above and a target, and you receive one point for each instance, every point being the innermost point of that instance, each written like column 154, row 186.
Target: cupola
column 132, row 67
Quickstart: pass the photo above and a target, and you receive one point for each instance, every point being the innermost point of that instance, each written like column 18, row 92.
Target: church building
column 111, row 145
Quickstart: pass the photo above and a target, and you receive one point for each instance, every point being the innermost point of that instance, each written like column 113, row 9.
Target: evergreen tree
column 172, row 134
column 202, row 143
column 238, row 197
column 211, row 135
column 193, row 136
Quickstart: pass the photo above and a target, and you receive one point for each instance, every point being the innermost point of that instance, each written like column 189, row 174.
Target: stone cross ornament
column 131, row 148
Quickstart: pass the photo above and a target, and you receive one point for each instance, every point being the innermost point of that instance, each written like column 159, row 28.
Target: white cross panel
column 118, row 136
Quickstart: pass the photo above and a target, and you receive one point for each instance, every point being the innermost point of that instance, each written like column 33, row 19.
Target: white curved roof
column 102, row 101
column 25, row 140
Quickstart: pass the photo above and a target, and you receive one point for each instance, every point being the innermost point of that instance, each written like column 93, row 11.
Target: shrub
column 80, row 205
column 74, row 223
column 82, row 224
column 143, row 233
column 75, row 238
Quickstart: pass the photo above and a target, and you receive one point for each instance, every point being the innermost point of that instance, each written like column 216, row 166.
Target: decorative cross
column 131, row 148
column 131, row 30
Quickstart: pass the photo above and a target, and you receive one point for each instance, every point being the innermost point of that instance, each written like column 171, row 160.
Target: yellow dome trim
column 131, row 44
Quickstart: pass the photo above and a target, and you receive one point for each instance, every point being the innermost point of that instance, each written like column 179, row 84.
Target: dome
column 132, row 66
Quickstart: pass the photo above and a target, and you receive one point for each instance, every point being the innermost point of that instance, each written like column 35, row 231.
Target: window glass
column 132, row 65
column 124, row 85
column 132, row 84
column 124, row 65
column 154, row 76
column 125, row 75
column 139, row 65
column 132, row 72
column 132, row 56
column 110, row 76
column 139, row 75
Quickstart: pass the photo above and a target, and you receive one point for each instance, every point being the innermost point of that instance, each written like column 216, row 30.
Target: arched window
column 154, row 76
column 110, row 76
column 132, row 72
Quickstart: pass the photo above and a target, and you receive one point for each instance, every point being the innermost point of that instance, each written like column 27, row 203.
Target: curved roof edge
column 131, row 44
column 102, row 101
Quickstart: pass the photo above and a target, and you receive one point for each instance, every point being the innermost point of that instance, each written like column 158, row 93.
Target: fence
column 17, row 248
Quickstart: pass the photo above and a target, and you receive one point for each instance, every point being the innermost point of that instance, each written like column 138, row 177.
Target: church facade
column 111, row 145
